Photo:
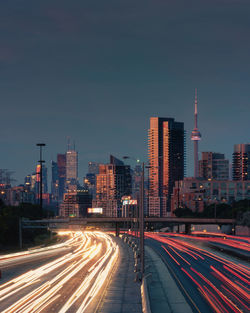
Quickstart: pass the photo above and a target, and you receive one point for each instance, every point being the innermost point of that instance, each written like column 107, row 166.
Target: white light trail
column 44, row 285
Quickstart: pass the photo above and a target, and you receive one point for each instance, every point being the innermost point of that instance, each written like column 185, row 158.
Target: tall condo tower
column 71, row 165
column 196, row 136
column 166, row 140
column 241, row 162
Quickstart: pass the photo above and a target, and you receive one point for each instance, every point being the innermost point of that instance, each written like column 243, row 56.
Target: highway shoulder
column 164, row 294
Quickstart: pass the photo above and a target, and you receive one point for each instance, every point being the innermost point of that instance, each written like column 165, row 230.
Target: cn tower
column 196, row 136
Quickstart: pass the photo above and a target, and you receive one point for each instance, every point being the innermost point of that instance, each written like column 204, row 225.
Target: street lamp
column 41, row 145
column 141, row 211
column 141, row 216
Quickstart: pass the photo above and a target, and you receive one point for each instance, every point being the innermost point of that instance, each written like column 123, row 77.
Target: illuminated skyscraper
column 196, row 137
column 166, row 162
column 61, row 168
column 241, row 162
column 71, row 167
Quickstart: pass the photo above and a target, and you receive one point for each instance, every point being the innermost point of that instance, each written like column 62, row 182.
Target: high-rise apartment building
column 213, row 166
column 166, row 161
column 75, row 204
column 112, row 183
column 61, row 167
column 71, row 166
column 54, row 181
column 241, row 162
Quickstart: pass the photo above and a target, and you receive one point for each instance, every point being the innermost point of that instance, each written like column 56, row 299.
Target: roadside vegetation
column 239, row 210
column 9, row 226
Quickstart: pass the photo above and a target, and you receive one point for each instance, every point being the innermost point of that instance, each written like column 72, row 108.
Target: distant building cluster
column 212, row 182
column 113, row 189
column 112, row 183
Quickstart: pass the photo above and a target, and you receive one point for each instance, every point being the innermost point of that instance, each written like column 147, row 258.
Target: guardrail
column 80, row 220
column 144, row 295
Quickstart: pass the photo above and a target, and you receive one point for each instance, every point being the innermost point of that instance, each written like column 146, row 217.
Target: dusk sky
column 97, row 70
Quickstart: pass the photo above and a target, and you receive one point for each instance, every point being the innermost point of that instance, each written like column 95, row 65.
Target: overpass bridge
column 122, row 222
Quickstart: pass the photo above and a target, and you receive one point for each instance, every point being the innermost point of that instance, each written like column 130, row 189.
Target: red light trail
column 223, row 283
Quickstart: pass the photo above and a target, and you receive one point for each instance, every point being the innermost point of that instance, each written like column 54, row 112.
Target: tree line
column 9, row 224
column 240, row 210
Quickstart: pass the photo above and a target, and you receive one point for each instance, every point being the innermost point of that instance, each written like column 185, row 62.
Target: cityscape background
column 125, row 155
column 98, row 71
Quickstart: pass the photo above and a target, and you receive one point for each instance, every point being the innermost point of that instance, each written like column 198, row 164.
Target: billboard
column 95, row 210
column 129, row 202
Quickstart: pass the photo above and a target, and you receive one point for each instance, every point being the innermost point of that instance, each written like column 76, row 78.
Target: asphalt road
column 63, row 278
column 210, row 283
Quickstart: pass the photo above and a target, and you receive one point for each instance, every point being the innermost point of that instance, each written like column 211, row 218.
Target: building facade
column 213, row 166
column 61, row 168
column 241, row 162
column 71, row 167
column 75, row 204
column 195, row 193
column 112, row 183
column 166, row 162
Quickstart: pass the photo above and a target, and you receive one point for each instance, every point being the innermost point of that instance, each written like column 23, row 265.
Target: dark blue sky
column 97, row 70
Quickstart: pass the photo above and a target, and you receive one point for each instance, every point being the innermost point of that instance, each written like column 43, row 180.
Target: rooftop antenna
column 68, row 143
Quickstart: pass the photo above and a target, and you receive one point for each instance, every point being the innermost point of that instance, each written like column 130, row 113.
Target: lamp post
column 41, row 145
column 178, row 177
column 141, row 217
column 148, row 187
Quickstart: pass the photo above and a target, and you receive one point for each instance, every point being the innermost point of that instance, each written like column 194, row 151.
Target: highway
column 67, row 277
column 209, row 282
column 239, row 246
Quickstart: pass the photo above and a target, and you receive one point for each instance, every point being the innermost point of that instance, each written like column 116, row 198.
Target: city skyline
column 97, row 73
column 19, row 179
column 125, row 156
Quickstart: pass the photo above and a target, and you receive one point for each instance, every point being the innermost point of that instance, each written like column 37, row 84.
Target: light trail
column 223, row 284
column 40, row 289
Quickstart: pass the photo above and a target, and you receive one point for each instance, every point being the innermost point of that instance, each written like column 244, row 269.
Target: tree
column 184, row 212
column 9, row 222
column 245, row 220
